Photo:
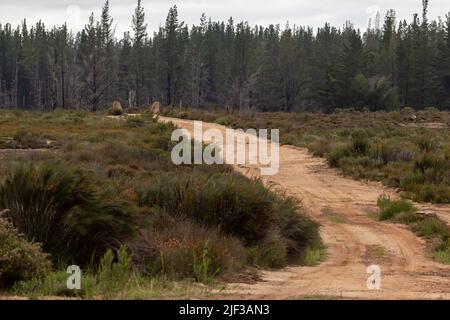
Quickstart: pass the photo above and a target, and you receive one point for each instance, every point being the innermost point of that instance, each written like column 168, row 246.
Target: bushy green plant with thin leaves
column 115, row 272
column 391, row 208
column 61, row 208
column 203, row 269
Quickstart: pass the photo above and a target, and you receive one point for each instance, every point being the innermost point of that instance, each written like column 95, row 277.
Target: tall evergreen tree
column 140, row 35
column 109, row 52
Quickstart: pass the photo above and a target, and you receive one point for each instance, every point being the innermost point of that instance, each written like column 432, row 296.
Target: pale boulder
column 116, row 108
column 156, row 107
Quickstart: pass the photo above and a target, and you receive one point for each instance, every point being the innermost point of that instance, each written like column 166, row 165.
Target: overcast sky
column 299, row 12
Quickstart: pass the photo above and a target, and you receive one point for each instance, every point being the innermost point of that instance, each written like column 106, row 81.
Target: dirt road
column 354, row 240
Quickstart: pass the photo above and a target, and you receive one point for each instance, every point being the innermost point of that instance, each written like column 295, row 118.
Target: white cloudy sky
column 300, row 12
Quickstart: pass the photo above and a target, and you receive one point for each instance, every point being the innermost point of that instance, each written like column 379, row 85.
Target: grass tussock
column 175, row 247
column 392, row 208
column 62, row 209
column 430, row 227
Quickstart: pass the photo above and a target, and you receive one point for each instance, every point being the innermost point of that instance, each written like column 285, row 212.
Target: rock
column 426, row 214
column 116, row 109
column 156, row 107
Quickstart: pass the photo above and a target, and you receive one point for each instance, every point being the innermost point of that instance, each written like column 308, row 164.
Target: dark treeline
column 218, row 64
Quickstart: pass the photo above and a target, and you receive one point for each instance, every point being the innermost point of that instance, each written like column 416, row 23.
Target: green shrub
column 337, row 154
column 427, row 143
column 391, row 208
column 407, row 217
column 28, row 140
column 297, row 230
column 55, row 284
column 135, row 122
column 226, row 121
column 61, row 208
column 431, row 227
column 390, row 151
column 114, row 271
column 321, row 147
column 314, row 255
column 359, row 142
column 134, row 110
column 442, row 256
column 272, row 253
column 112, row 279
column 19, row 259
column 433, row 193
column 428, row 161
column 442, row 250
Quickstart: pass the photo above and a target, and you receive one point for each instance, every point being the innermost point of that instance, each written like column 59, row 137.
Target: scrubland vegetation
column 102, row 193
column 436, row 231
column 405, row 149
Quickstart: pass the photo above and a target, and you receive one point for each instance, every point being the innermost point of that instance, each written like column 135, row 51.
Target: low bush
column 28, row 140
column 442, row 251
column 134, row 110
column 20, row 260
column 135, row 122
column 272, row 253
column 236, row 206
column 391, row 208
column 335, row 156
column 113, row 272
column 431, row 227
column 427, row 143
column 359, row 142
column 406, row 217
column 321, row 147
column 112, row 279
column 176, row 247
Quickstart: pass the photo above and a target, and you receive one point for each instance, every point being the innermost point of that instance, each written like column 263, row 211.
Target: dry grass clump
column 175, row 246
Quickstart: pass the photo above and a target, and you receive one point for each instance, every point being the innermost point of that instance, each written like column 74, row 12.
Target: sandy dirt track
column 354, row 242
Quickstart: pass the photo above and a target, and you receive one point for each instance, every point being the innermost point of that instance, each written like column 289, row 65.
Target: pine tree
column 389, row 50
column 290, row 70
column 125, row 78
column 270, row 96
column 174, row 46
column 108, row 51
column 443, row 67
column 92, row 65
column 199, row 71
column 349, row 65
column 140, row 34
